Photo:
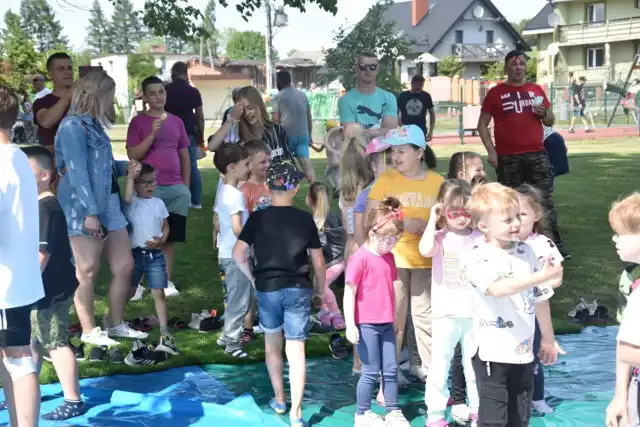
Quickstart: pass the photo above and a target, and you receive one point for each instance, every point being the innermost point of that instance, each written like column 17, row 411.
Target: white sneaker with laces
column 542, row 407
column 138, row 295
column 171, row 290
column 125, row 331
column 98, row 337
column 402, row 380
column 192, row 206
column 461, row 413
column 396, row 419
column 196, row 318
column 369, row 419
column 418, row 371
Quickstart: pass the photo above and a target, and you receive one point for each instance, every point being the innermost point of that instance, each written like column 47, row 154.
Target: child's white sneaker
column 125, row 331
column 418, row 371
column 170, row 290
column 138, row 295
column 461, row 413
column 396, row 419
column 542, row 407
column 98, row 337
column 369, row 419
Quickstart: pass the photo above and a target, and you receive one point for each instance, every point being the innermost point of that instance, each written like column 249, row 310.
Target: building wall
column 545, row 71
column 574, row 12
column 216, row 95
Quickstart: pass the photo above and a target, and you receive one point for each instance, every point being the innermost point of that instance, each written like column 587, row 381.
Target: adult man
column 519, row 109
column 291, row 109
column 20, row 279
column 52, row 108
column 580, row 106
column 367, row 105
column 414, row 105
column 39, row 89
column 160, row 139
column 184, row 101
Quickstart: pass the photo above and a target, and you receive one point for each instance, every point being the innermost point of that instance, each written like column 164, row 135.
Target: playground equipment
column 634, row 66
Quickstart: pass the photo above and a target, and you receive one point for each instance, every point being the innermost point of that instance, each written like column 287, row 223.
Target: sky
column 311, row 30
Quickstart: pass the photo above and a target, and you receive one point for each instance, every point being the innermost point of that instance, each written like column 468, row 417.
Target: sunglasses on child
column 370, row 67
column 456, row 213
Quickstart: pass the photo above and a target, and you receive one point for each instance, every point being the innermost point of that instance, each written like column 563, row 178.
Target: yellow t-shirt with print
column 417, row 198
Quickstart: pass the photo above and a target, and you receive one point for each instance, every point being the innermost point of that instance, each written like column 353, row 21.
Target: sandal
column 177, row 323
column 140, row 324
column 337, row 322
column 238, row 354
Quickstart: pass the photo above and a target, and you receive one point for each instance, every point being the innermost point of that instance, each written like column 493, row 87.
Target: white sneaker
column 396, row 419
column 542, row 407
column 419, row 371
column 98, row 337
column 138, row 295
column 369, row 419
column 461, row 413
column 192, row 206
column 171, row 290
column 125, row 331
column 402, row 380
column 196, row 318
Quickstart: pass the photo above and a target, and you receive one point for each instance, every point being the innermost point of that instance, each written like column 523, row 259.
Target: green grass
column 601, row 172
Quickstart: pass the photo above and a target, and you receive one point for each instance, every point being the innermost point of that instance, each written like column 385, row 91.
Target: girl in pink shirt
column 369, row 309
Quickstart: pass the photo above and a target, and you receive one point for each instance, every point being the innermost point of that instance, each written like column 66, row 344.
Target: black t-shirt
column 281, row 236
column 578, row 94
column 413, row 108
column 333, row 239
column 59, row 276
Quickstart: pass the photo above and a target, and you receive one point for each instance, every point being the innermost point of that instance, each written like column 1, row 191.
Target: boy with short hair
column 50, row 317
column 281, row 235
column 148, row 216
column 509, row 281
column 232, row 160
column 255, row 190
column 624, row 219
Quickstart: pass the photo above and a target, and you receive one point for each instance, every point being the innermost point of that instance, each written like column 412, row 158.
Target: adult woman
column 250, row 115
column 89, row 195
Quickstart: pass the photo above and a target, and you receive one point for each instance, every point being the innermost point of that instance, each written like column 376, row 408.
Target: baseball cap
column 330, row 124
column 409, row 134
column 283, row 176
column 377, row 146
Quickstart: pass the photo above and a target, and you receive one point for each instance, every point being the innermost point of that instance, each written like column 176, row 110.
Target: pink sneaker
column 437, row 423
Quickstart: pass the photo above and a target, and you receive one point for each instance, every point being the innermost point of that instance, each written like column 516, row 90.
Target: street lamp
column 278, row 20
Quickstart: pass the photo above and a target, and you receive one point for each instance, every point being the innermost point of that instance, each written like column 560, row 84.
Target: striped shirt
column 276, row 138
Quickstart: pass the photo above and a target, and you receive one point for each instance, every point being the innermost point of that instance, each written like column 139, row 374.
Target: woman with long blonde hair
column 89, row 195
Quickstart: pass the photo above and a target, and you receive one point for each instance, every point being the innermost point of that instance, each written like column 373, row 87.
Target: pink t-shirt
column 164, row 152
column 450, row 295
column 374, row 276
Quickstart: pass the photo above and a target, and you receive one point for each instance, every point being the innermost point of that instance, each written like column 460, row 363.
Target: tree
column 20, row 57
column 97, row 30
column 125, row 30
column 177, row 45
column 494, row 72
column 450, row 66
column 39, row 21
column 139, row 67
column 373, row 33
column 245, row 45
column 519, row 26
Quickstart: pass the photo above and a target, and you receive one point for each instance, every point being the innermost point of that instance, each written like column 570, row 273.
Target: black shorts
column 15, row 326
column 177, row 228
column 505, row 391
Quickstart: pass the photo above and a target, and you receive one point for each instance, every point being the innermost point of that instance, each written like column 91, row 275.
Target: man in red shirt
column 519, row 109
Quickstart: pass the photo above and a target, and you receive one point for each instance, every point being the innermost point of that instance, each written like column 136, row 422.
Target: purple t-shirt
column 182, row 99
column 164, row 154
column 361, row 200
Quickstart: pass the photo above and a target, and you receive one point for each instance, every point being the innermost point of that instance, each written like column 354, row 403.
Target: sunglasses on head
column 370, row 67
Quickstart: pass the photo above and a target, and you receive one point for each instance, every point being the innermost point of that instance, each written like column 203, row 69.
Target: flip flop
column 177, row 323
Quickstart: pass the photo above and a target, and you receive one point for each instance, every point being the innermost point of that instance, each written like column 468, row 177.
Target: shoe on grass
column 138, row 295
column 125, row 331
column 98, row 337
column 167, row 344
column 170, row 290
column 114, row 355
column 97, row 354
column 141, row 355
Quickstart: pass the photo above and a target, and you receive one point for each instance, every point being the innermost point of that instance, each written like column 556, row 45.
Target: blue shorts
column 152, row 264
column 115, row 218
column 299, row 146
column 288, row 309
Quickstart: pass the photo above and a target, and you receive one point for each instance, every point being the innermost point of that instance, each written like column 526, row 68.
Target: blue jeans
column 152, row 264
column 538, row 372
column 377, row 350
column 196, row 180
column 288, row 309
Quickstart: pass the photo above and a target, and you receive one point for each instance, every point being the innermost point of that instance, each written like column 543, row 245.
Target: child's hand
column 353, row 335
column 617, row 411
column 552, row 271
column 549, row 351
column 133, row 169
column 436, row 211
column 155, row 243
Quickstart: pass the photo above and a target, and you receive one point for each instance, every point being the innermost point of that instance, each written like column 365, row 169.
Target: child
column 150, row 227
column 255, row 190
column 333, row 239
column 466, row 165
column 281, row 235
column 452, row 301
column 232, row 160
column 533, row 233
column 508, row 282
column 333, row 143
column 624, row 409
column 369, row 306
column 50, row 317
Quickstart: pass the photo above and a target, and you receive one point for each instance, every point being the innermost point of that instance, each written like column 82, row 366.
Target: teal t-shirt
column 367, row 110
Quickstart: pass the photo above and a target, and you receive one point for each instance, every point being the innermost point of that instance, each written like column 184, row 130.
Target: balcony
column 479, row 52
column 615, row 30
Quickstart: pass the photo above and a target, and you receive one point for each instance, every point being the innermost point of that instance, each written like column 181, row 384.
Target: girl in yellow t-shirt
column 416, row 186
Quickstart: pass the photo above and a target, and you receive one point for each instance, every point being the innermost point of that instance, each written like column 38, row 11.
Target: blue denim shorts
column 152, row 264
column 288, row 309
column 115, row 218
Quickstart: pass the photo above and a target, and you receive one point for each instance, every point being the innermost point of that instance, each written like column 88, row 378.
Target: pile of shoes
column 206, row 321
column 143, row 355
column 586, row 313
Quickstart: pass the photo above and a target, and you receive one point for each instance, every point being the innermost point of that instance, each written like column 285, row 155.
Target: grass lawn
column 601, row 172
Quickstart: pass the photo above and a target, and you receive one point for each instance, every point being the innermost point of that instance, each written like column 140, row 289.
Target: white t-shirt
column 44, row 92
column 504, row 326
column 451, row 296
column 628, row 331
column 146, row 217
column 229, row 202
column 20, row 278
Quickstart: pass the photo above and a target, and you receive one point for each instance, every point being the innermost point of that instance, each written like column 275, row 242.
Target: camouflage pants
column 49, row 326
column 533, row 169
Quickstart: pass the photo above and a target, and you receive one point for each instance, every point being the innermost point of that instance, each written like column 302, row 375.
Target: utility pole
column 269, row 47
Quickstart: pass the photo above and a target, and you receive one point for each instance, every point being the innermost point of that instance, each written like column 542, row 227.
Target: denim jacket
column 84, row 160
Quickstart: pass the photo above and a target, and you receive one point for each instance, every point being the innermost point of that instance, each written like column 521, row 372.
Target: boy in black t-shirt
column 281, row 235
column 50, row 317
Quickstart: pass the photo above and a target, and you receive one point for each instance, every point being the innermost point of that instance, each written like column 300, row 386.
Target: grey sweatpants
column 240, row 299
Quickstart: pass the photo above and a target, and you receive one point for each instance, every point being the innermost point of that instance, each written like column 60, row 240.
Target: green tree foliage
column 373, row 34
column 97, row 30
column 450, row 66
column 19, row 55
column 245, row 45
column 495, row 72
column 125, row 31
column 39, row 21
column 139, row 67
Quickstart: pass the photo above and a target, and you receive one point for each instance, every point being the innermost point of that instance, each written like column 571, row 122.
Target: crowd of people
column 458, row 270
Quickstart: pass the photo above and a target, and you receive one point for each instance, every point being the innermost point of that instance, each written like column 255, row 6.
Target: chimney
column 419, row 9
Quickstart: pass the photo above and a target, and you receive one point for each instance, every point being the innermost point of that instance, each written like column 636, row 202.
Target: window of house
column 412, row 71
column 595, row 12
column 459, row 36
column 490, row 36
column 595, row 57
